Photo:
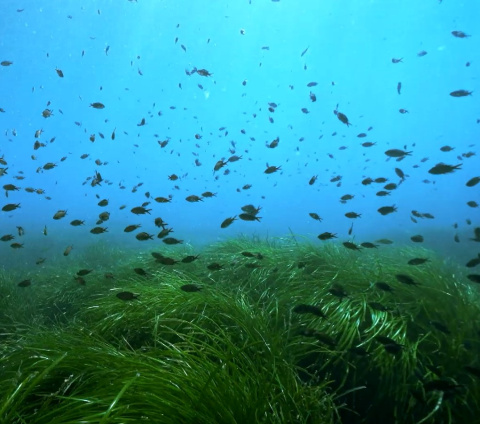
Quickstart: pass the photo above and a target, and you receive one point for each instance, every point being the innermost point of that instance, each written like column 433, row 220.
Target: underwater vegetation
column 279, row 332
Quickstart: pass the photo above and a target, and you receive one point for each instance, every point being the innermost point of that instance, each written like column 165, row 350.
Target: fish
column 379, row 307
column 473, row 262
column 271, row 169
column 97, row 105
column 461, row 93
column 215, row 266
column 369, row 245
column 326, row 236
column 417, row 261
column 460, row 34
column 315, row 216
column 193, row 199
column 130, row 228
column 475, row 278
column 99, row 230
column 406, row 279
column 227, row 222
column 383, row 286
column 351, row 246
column 472, row 182
column 59, row 214
column 353, row 215
column 77, row 222
column 171, row 240
column 190, row 288
column 385, row 210
column 338, row 291
column 249, row 217
column 140, row 210
column 308, row 309
column 67, row 250
column 397, row 153
column 343, row 118
column 143, row 236
column 384, row 241
column 126, row 295
column 189, row 259
column 399, row 88
column 24, row 283
column 442, row 168
column 11, row 207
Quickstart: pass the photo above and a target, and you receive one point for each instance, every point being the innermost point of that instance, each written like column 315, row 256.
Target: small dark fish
column 385, row 210
column 141, row 271
column 327, row 236
column 461, row 93
column 474, row 278
column 97, row 105
column 473, row 262
column 308, row 309
column 272, row 169
column 417, row 261
column 384, row 340
column 315, row 216
column 417, row 238
column 312, row 84
column 460, row 34
column 442, row 168
column 383, row 286
column 399, row 88
column 24, row 283
column 406, row 279
column 473, row 182
column 171, row 240
column 421, row 53
column 369, row 245
column 441, row 386
column 397, row 60
column 343, row 118
column 98, row 230
column 353, row 215
column 126, row 295
column 84, row 272
column 379, row 307
column 227, row 222
column 214, row 266
column 384, row 241
column 351, row 246
column 190, row 288
column 397, row 153
column 338, row 291
column 249, row 217
column 189, row 259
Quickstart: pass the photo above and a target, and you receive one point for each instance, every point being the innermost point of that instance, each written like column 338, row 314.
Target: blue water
column 134, row 58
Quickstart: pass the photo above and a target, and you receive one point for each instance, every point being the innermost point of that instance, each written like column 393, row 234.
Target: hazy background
column 129, row 56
